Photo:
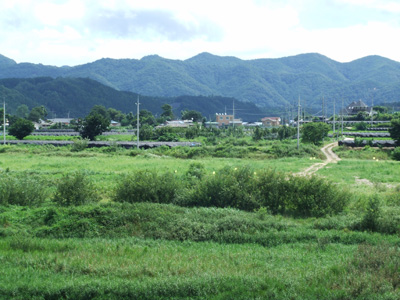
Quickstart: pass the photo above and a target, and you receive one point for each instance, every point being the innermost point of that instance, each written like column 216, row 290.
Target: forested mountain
column 76, row 96
column 269, row 83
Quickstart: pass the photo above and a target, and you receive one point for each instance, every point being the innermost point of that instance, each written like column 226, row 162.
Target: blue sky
column 72, row 32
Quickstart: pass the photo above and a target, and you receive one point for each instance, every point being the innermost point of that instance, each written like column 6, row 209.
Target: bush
column 370, row 219
column 75, row 189
column 300, row 196
column 147, row 186
column 396, row 153
column 24, row 190
column 79, row 145
column 225, row 188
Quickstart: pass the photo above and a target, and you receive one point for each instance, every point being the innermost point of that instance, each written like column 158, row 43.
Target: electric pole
column 298, row 125
column 334, row 118
column 342, row 118
column 4, row 121
column 137, row 122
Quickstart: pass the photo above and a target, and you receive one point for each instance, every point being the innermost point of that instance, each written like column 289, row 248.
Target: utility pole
column 233, row 102
column 334, row 118
column 372, row 108
column 342, row 118
column 137, row 122
column 298, row 124
column 4, row 121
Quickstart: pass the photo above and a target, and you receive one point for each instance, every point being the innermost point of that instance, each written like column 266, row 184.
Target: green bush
column 370, row 219
column 224, row 188
column 79, row 145
column 24, row 189
column 147, row 186
column 75, row 189
column 300, row 196
column 396, row 153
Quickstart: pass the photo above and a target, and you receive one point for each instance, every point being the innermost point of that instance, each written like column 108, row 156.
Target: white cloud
column 75, row 31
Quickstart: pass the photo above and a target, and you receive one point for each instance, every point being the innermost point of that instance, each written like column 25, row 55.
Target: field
column 111, row 249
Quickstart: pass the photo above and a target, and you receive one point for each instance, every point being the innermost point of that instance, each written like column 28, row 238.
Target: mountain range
column 272, row 84
column 75, row 97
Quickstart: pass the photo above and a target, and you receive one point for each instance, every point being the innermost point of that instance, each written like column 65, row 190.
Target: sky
column 73, row 32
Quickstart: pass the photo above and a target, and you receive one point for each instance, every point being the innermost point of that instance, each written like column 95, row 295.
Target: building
column 355, row 107
column 64, row 121
column 177, row 123
column 271, row 121
column 227, row 120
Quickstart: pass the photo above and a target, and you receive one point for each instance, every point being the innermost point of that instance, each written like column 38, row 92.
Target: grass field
column 112, row 250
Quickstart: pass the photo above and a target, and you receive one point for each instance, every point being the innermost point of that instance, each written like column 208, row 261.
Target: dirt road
column 331, row 157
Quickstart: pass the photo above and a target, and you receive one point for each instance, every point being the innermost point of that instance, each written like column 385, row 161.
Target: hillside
column 269, row 83
column 76, row 96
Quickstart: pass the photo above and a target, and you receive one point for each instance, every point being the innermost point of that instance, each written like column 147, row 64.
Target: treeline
column 75, row 97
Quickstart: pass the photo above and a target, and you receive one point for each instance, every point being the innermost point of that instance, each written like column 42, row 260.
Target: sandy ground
column 331, row 157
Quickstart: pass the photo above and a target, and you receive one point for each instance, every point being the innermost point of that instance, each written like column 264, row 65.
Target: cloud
column 74, row 31
column 149, row 25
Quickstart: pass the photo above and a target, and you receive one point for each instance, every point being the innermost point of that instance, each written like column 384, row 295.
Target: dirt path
column 331, row 157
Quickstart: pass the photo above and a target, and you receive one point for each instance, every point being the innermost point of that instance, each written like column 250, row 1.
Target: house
column 355, row 107
column 271, row 121
column 178, row 123
column 64, row 121
column 114, row 123
column 226, row 120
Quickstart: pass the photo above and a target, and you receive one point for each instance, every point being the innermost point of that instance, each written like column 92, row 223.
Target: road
column 331, row 157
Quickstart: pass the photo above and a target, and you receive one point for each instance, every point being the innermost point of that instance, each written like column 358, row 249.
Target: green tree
column 395, row 130
column 101, row 110
column 258, row 134
column 314, row 132
column 192, row 115
column 115, row 115
column 146, row 117
column 285, row 132
column 146, row 132
column 167, row 112
column 22, row 111
column 93, row 125
column 37, row 113
column 21, row 128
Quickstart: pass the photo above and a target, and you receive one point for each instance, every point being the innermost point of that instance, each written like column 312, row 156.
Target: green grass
column 161, row 251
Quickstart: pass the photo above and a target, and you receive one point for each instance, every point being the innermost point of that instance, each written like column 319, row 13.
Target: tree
column 115, row 115
column 314, row 132
column 101, row 110
column 167, row 112
column 93, row 125
column 258, row 134
column 146, row 117
column 21, row 128
column 285, row 132
column 22, row 111
column 192, row 115
column 37, row 113
column 395, row 130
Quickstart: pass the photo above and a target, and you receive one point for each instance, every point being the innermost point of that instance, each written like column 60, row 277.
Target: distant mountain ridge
column 270, row 83
column 76, row 96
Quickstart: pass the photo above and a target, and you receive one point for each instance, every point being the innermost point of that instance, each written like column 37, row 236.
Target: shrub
column 225, row 188
column 300, row 196
column 370, row 219
column 396, row 153
column 196, row 170
column 79, row 145
column 147, row 186
column 75, row 189
column 24, row 190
